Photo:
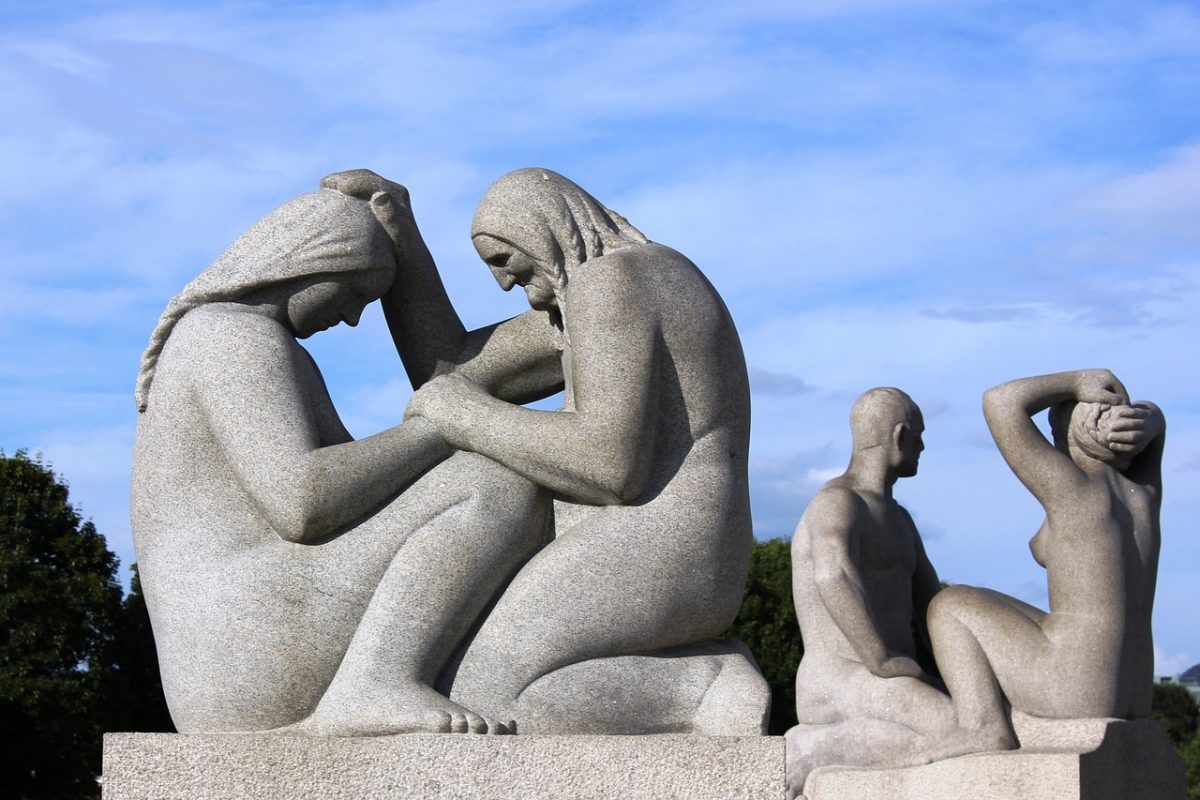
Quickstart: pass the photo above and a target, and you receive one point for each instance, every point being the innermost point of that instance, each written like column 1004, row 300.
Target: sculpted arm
column 1009, row 408
column 515, row 359
column 264, row 421
column 832, row 521
column 600, row 452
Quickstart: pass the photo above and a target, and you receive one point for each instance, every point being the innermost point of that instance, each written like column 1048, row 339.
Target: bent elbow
column 617, row 487
column 992, row 402
column 626, row 483
column 297, row 524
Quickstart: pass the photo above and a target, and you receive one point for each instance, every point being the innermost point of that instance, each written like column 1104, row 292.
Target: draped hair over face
column 551, row 218
column 321, row 233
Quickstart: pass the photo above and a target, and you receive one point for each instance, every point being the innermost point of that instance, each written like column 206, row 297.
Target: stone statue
column 862, row 584
column 294, row 575
column 611, row 627
column 1101, row 486
column 302, row 581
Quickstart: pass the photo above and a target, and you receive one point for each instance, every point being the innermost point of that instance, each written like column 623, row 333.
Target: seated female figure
column 1100, row 484
column 296, row 577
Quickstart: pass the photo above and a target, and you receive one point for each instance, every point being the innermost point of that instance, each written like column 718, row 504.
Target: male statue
column 862, row 584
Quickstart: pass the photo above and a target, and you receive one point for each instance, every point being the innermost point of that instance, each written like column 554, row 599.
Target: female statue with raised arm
column 611, row 627
column 1100, row 484
column 297, row 578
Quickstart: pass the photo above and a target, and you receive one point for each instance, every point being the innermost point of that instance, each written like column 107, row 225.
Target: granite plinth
column 426, row 766
column 1094, row 759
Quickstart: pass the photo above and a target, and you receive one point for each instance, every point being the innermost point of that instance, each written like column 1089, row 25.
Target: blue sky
column 936, row 194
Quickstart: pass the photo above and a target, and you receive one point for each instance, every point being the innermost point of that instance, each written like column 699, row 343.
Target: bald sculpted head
column 885, row 417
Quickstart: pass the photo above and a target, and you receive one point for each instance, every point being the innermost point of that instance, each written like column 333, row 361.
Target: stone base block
column 150, row 766
column 1091, row 759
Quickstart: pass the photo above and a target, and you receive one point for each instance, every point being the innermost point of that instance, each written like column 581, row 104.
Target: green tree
column 60, row 603
column 767, row 624
column 133, row 692
column 1175, row 708
column 1191, row 758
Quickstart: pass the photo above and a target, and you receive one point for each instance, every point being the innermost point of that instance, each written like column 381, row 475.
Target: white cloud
column 1171, row 664
column 1161, row 201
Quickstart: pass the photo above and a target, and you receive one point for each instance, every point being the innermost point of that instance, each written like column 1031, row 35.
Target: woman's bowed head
column 533, row 227
column 313, row 263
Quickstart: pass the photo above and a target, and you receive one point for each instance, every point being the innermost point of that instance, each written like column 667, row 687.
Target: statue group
column 484, row 567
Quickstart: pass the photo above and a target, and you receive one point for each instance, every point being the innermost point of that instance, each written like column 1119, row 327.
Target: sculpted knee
column 945, row 605
column 494, row 486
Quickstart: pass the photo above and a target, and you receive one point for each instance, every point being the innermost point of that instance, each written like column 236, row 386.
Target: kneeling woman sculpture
column 1100, row 484
column 300, row 580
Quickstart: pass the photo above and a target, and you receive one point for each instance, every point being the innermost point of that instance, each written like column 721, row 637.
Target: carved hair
column 552, row 219
column 877, row 412
column 1080, row 424
column 325, row 232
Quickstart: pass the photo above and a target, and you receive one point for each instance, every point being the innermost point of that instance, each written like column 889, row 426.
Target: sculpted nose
column 353, row 316
column 505, row 280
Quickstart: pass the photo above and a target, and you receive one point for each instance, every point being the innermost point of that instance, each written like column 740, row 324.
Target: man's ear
column 900, row 434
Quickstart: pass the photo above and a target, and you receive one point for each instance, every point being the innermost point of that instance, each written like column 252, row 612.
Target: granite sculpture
column 1100, row 483
column 862, row 583
column 479, row 562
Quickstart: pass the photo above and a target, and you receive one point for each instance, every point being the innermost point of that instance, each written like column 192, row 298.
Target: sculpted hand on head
column 284, row 264
column 1108, row 434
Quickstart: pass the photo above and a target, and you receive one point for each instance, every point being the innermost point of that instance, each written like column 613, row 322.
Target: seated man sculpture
column 300, row 580
column 862, row 583
column 1100, row 484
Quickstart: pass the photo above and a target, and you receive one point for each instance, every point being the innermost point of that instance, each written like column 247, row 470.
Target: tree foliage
column 767, row 624
column 1175, row 708
column 60, row 603
column 133, row 689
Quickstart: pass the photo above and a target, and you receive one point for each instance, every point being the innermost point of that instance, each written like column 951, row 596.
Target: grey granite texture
column 1086, row 759
column 568, row 571
column 861, row 581
column 1100, row 484
column 427, row 767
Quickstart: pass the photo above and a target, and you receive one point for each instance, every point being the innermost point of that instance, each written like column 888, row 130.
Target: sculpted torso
column 214, row 543
column 883, row 546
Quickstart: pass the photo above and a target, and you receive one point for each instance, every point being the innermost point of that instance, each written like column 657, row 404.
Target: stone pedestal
column 1091, row 759
column 148, row 766
column 1078, row 759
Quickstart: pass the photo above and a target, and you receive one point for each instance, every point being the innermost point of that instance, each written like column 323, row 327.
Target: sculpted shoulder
column 835, row 508
column 219, row 336
column 639, row 262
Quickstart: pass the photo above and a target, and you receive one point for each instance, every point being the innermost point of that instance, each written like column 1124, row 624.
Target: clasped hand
column 450, row 402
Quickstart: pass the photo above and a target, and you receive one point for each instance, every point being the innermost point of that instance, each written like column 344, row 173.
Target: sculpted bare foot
column 413, row 708
column 965, row 741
